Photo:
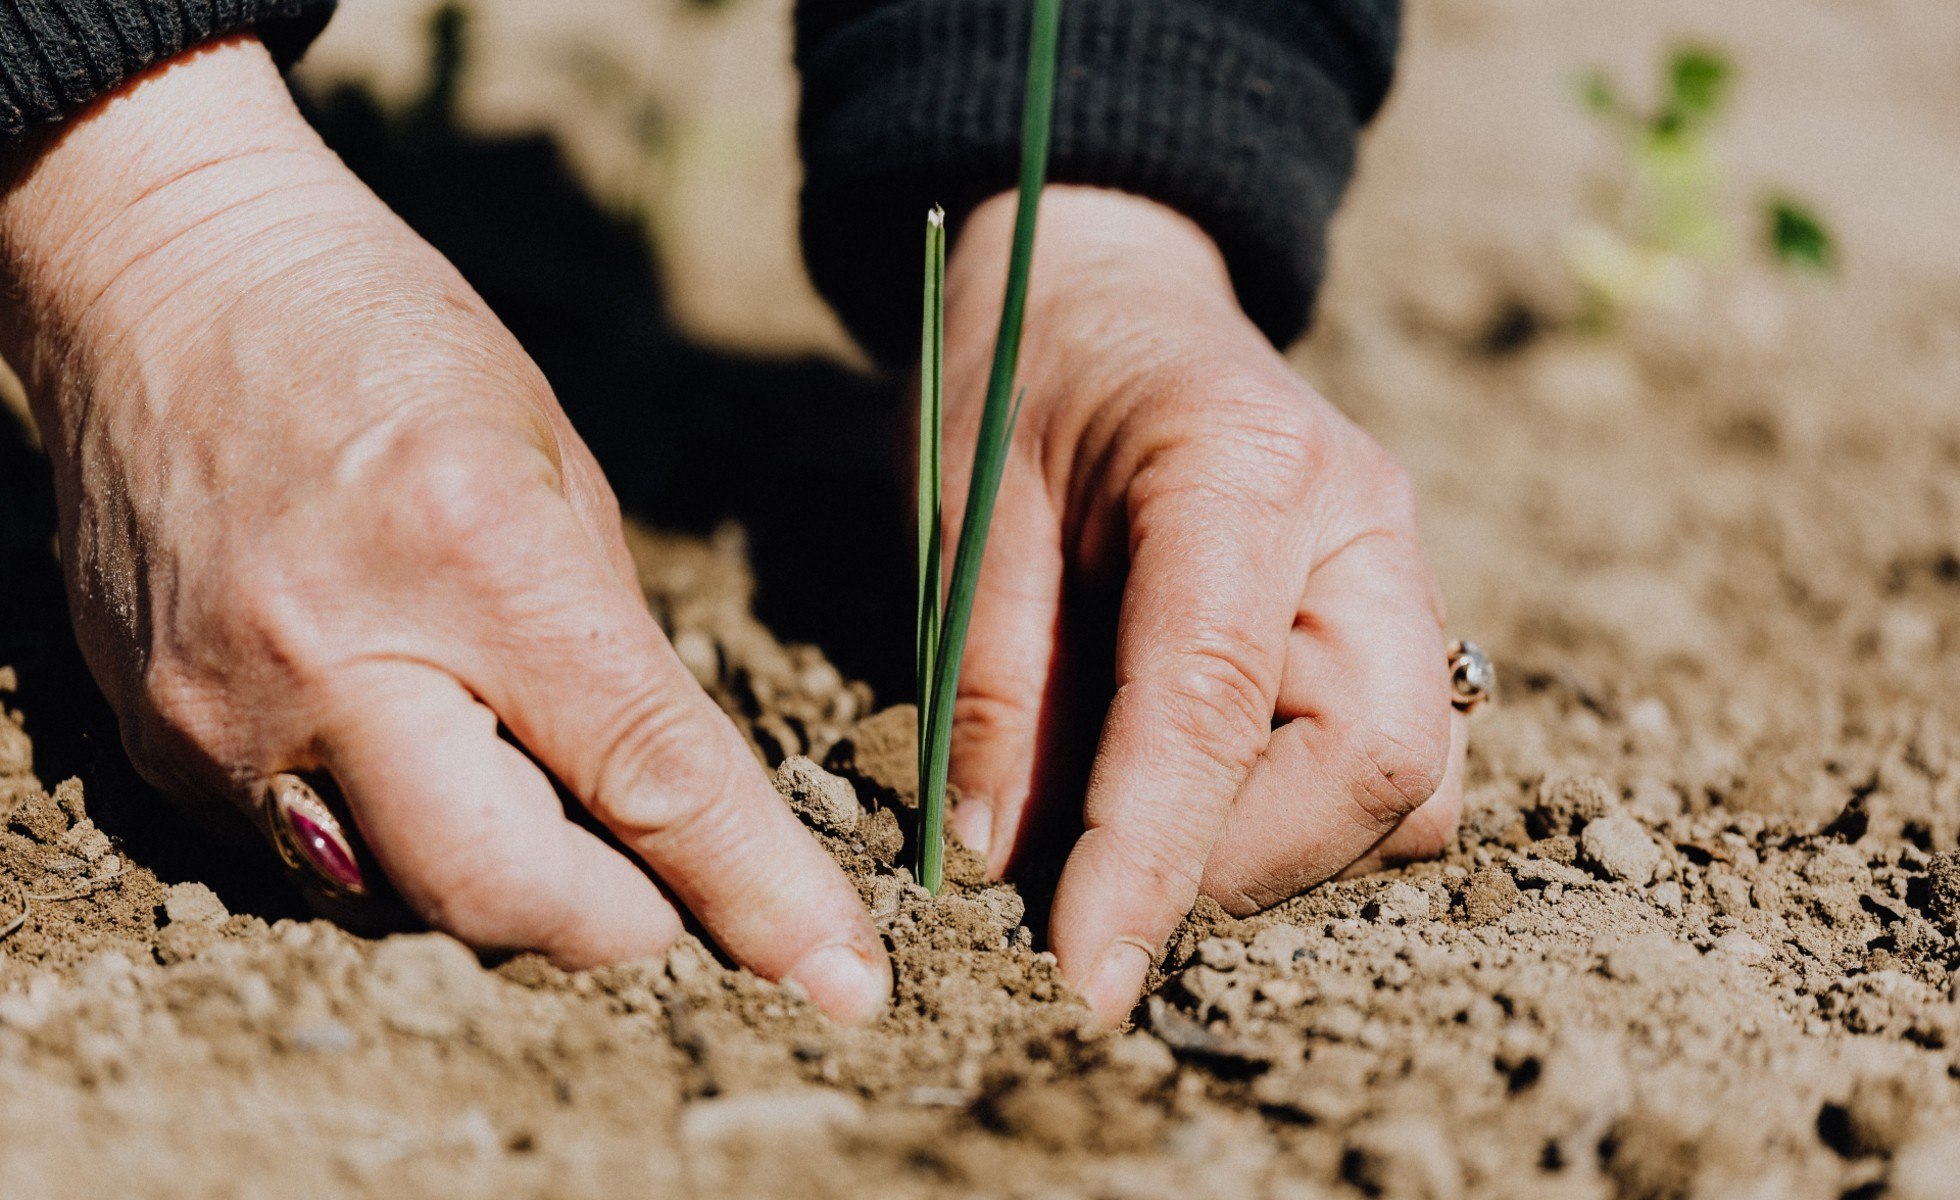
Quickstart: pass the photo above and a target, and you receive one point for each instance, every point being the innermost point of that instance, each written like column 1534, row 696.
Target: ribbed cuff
column 57, row 55
column 1230, row 121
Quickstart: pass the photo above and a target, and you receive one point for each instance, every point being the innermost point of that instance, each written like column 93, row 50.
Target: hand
column 320, row 512
column 1281, row 706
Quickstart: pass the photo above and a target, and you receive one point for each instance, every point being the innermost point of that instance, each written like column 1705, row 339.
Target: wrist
column 1122, row 287
column 162, row 181
column 1098, row 252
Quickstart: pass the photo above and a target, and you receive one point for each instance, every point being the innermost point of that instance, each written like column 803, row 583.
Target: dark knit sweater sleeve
column 57, row 55
column 1242, row 114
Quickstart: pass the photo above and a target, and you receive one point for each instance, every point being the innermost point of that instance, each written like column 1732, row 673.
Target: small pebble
column 1943, row 897
column 826, row 802
column 196, row 903
column 1401, row 903
column 1221, row 954
column 1278, row 946
column 1621, row 848
column 1741, row 947
column 1489, row 896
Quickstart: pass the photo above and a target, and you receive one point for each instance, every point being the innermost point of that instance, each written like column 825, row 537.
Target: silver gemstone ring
column 310, row 839
column 1473, row 680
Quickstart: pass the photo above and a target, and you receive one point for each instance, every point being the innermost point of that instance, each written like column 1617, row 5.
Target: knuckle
column 982, row 715
column 453, row 501
column 1220, row 691
column 457, row 503
column 652, row 776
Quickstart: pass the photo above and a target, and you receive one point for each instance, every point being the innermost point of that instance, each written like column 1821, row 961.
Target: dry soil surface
column 1697, row 938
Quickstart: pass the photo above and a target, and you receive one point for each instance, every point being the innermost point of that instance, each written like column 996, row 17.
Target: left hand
column 1281, row 706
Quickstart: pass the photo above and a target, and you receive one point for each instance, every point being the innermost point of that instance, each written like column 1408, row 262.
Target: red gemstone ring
column 311, row 839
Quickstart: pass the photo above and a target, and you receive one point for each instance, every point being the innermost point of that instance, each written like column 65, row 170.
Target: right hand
column 320, row 512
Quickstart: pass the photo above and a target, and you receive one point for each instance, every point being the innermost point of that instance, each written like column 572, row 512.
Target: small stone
column 1489, row 896
column 1560, row 849
column 1221, row 954
column 1402, row 903
column 883, row 838
column 1205, row 986
column 196, row 903
column 1564, row 805
column 1142, row 1055
column 1278, row 946
column 826, row 802
column 1283, row 992
column 85, row 841
column 1741, row 947
column 1729, row 894
column 887, row 893
column 760, row 1119
column 183, row 940
column 1620, row 847
column 1668, row 897
column 1006, row 906
column 1943, row 897
column 1644, row 958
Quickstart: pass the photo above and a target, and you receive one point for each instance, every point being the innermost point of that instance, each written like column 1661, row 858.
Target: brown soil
column 1697, row 938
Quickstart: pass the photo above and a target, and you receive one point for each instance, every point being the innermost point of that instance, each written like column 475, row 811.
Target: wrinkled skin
column 320, row 512
column 1281, row 699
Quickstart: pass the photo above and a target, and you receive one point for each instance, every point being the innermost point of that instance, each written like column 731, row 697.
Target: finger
column 1200, row 647
column 1367, row 688
column 471, row 833
column 1429, row 830
column 1008, row 672
column 596, row 692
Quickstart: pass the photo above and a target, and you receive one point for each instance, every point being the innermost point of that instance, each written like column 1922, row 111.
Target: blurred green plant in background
column 1667, row 222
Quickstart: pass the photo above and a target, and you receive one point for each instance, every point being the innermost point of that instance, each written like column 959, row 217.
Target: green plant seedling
column 1669, row 222
column 939, row 665
column 1798, row 238
column 932, row 431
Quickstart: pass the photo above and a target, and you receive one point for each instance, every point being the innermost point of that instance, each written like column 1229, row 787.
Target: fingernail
column 1117, row 980
column 973, row 821
column 844, row 981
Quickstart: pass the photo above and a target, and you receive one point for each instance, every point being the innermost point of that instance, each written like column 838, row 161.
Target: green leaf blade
column 996, row 425
column 932, row 392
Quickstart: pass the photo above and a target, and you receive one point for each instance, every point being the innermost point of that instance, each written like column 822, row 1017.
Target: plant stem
column 932, row 389
column 990, row 452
